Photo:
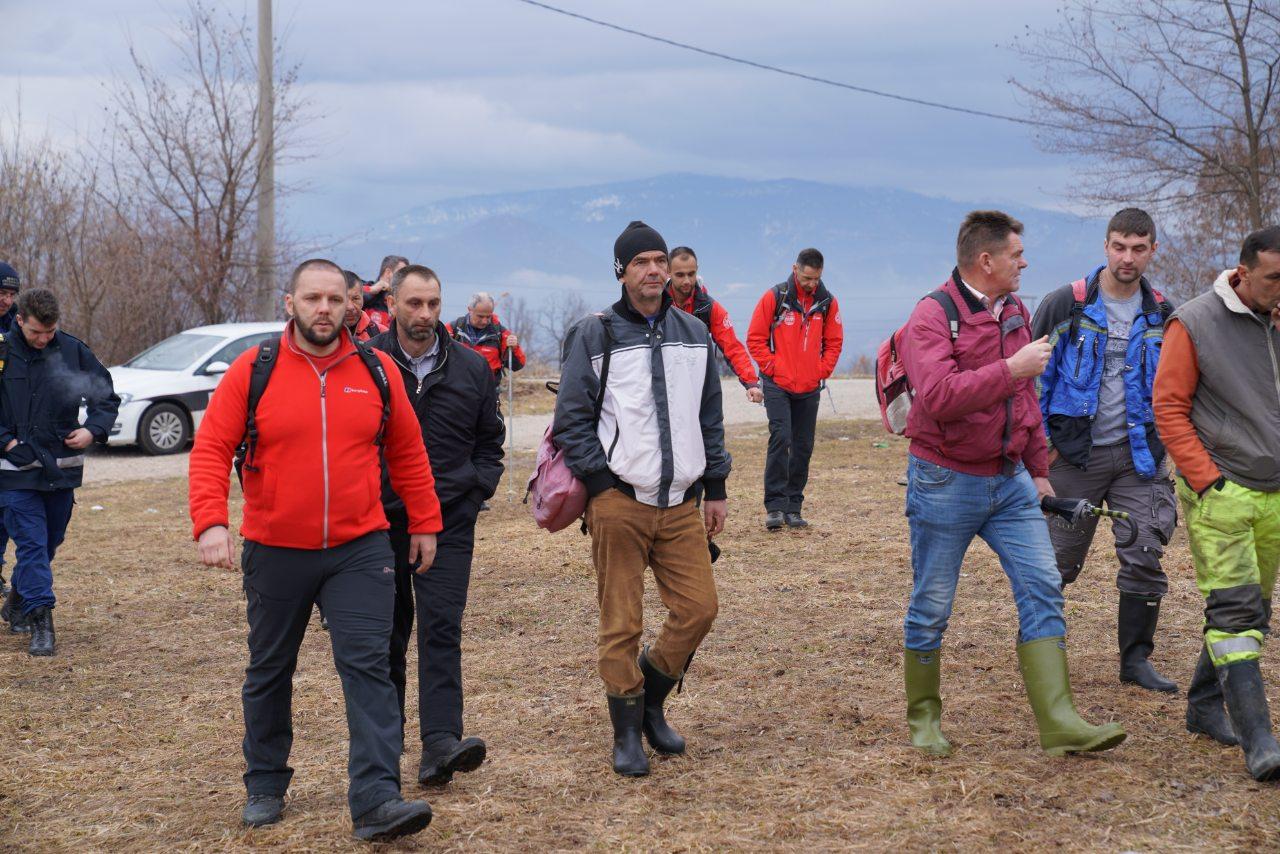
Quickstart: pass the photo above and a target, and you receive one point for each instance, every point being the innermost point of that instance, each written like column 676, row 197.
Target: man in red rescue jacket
column 977, row 468
column 690, row 296
column 315, row 532
column 481, row 330
column 795, row 337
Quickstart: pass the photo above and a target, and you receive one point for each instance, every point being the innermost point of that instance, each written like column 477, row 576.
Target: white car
column 165, row 389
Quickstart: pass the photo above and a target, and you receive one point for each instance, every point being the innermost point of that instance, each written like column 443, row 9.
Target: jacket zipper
column 324, row 459
column 1079, row 355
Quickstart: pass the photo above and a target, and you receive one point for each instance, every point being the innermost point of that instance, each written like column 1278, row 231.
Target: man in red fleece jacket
column 315, row 532
column 978, row 466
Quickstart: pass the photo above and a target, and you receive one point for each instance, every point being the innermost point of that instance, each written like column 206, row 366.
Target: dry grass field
column 129, row 740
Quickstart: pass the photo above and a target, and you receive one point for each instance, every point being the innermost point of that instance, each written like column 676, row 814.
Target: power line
column 865, row 90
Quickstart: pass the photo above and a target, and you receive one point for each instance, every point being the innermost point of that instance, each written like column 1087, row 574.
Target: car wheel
column 164, row 429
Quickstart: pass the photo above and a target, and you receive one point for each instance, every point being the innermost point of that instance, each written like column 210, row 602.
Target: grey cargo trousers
column 1111, row 478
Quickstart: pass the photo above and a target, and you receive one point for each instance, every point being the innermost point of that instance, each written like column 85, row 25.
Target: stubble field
column 129, row 740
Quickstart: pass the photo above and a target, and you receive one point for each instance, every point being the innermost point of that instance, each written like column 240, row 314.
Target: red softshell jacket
column 969, row 413
column 318, row 482
column 806, row 341
column 710, row 312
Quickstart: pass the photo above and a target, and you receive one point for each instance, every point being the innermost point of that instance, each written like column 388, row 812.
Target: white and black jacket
column 661, row 427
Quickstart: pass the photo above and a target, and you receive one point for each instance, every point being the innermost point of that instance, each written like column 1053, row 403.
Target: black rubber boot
column 795, row 520
column 391, row 819
column 42, row 637
column 657, row 685
column 1206, row 714
column 1136, row 630
column 627, row 714
column 773, row 520
column 444, row 757
column 1247, row 704
column 11, row 612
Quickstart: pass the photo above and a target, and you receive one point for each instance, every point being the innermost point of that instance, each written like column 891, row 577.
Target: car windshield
column 174, row 354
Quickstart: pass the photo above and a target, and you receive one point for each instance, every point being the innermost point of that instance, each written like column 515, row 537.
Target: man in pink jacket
column 978, row 466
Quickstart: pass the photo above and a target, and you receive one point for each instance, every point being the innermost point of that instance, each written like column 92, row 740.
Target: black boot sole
column 1171, row 688
column 394, row 830
column 653, row 742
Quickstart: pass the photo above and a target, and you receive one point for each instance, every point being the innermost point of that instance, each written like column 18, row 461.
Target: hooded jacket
column 40, row 394
column 969, row 413
column 798, row 345
column 457, row 408
column 661, row 427
column 716, row 319
column 1217, row 392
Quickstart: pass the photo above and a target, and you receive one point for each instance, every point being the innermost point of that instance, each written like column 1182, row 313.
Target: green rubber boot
column 1044, row 670
column 923, row 672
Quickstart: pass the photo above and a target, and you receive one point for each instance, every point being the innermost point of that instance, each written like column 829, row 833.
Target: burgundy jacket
column 969, row 414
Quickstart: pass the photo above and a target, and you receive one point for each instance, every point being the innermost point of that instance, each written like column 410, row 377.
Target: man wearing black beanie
column 639, row 420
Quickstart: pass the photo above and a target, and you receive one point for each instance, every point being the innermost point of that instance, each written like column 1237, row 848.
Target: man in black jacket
column 454, row 395
column 46, row 375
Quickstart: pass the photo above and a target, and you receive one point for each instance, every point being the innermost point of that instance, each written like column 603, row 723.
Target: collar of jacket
column 1222, row 287
column 699, row 300
column 625, row 310
column 790, row 296
column 18, row 341
column 389, row 343
column 1094, row 288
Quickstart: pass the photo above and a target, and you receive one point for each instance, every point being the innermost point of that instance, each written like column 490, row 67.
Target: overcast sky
column 419, row 100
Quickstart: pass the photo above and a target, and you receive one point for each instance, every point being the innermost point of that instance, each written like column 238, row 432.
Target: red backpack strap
column 1079, row 290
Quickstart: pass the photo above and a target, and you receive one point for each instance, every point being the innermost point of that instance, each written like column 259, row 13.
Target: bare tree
column 184, row 146
column 560, row 313
column 1173, row 104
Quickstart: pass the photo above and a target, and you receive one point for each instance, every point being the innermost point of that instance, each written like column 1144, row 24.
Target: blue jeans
column 36, row 521
column 946, row 510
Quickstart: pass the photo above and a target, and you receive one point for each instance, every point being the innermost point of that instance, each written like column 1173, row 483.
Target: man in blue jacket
column 1095, row 394
column 46, row 375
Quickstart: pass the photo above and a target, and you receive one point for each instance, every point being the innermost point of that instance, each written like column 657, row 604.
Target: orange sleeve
column 221, row 429
column 758, row 333
column 1177, row 377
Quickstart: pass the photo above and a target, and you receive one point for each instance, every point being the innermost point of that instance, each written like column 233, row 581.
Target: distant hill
column 884, row 248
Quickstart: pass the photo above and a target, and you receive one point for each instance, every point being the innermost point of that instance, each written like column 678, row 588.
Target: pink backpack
column 558, row 498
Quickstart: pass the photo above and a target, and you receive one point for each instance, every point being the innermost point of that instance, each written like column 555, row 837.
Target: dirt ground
column 129, row 740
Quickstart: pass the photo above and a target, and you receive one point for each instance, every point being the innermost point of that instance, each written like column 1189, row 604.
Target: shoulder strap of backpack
column 259, row 375
column 1079, row 296
column 374, row 364
column 949, row 307
column 4, row 352
column 604, row 365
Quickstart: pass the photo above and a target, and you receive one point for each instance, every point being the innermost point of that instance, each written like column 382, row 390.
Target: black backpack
column 264, row 364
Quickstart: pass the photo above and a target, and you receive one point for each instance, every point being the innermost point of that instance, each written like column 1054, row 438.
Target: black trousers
column 793, row 420
column 441, row 597
column 355, row 584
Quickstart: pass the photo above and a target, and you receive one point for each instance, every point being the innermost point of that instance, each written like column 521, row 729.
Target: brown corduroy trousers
column 627, row 536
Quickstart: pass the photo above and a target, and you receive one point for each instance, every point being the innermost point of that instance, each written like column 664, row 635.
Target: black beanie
column 8, row 277
column 635, row 238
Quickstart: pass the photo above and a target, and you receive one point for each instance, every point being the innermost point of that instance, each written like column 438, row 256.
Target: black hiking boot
column 42, row 637
column 795, row 520
column 391, row 819
column 1247, row 705
column 1136, row 630
column 11, row 612
column 657, row 685
column 627, row 714
column 261, row 810
column 773, row 520
column 444, row 757
column 1206, row 715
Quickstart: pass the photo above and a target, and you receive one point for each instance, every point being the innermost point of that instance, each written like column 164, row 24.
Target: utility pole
column 266, row 307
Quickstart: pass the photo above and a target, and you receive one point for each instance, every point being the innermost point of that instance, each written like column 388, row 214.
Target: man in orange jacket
column 690, row 296
column 795, row 337
column 315, row 532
